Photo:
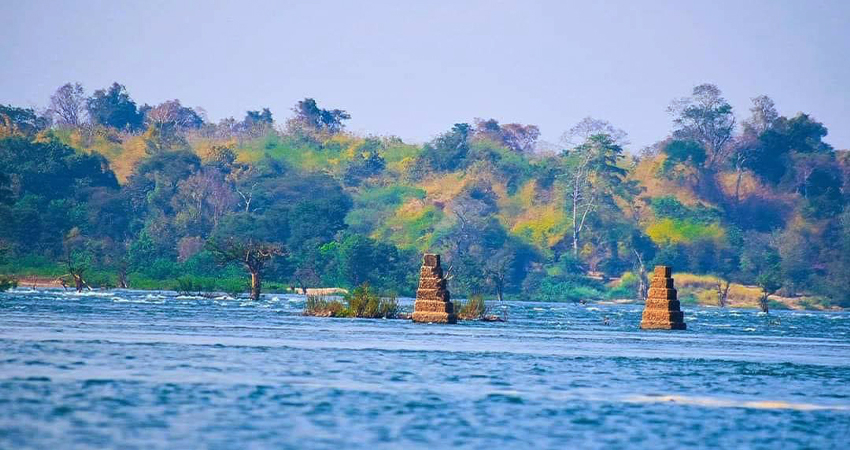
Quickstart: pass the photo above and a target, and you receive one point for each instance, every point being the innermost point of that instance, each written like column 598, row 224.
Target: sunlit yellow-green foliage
column 671, row 231
column 410, row 211
column 123, row 151
column 542, row 226
column 406, row 213
column 284, row 149
column 412, row 226
column 400, row 157
column 646, row 174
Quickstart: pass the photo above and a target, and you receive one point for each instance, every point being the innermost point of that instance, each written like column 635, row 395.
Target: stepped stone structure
column 432, row 297
column 662, row 305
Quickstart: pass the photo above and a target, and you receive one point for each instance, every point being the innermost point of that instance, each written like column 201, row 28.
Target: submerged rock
column 433, row 302
column 662, row 310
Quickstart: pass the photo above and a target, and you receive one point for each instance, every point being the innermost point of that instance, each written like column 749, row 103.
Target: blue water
column 128, row 369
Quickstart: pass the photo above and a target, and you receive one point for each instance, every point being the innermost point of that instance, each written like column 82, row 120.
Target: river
column 154, row 370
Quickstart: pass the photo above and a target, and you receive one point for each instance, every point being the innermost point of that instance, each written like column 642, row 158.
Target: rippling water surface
column 128, row 369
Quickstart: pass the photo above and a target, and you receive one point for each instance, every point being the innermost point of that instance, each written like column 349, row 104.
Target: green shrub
column 362, row 302
column 472, row 309
column 567, row 291
column 7, row 283
column 321, row 307
column 189, row 285
column 626, row 288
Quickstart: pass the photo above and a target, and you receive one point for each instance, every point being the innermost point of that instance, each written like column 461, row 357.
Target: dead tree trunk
column 643, row 280
column 763, row 302
column 723, row 292
column 122, row 278
column 255, row 285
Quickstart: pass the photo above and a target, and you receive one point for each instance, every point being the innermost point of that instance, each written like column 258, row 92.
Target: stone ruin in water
column 432, row 298
column 662, row 310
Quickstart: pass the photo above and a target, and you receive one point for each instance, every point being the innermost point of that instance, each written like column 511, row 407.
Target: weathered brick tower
column 432, row 297
column 662, row 310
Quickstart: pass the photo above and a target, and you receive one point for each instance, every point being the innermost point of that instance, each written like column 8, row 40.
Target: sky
column 412, row 69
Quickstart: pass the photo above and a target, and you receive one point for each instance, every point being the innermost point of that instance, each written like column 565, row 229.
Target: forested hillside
column 116, row 193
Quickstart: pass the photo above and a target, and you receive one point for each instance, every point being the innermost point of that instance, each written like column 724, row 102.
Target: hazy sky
column 414, row 68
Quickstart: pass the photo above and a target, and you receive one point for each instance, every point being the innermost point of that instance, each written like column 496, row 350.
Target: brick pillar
column 433, row 303
column 662, row 311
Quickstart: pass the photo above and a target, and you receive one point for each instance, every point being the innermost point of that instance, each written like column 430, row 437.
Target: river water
column 131, row 369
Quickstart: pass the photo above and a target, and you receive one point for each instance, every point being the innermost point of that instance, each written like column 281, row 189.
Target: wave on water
column 719, row 402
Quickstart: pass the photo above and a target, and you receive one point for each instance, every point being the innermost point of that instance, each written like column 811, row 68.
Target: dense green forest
column 110, row 192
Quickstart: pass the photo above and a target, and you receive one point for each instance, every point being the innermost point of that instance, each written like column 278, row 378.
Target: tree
column 638, row 242
column 202, row 200
column 516, row 137
column 20, row 121
column 156, row 180
column 593, row 178
column 497, row 269
column 705, row 117
column 520, row 138
column 726, row 264
column 76, row 258
column 761, row 264
column 245, row 239
column 449, row 150
column 68, row 105
column 174, row 115
column 312, row 119
column 772, row 159
column 113, row 107
column 256, row 123
column 587, row 127
column 354, row 260
column 6, row 282
column 763, row 116
column 251, row 254
column 367, row 162
column 684, row 158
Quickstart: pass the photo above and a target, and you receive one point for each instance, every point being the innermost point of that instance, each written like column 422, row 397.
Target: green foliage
column 7, row 283
column 322, row 307
column 472, row 309
column 771, row 159
column 668, row 207
column 21, row 120
column 565, row 291
column 447, row 152
column 627, row 287
column 113, row 107
column 766, row 207
column 362, row 302
column 355, row 260
column 309, row 117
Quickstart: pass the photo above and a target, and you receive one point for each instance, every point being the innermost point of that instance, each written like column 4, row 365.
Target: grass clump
column 320, row 306
column 472, row 309
column 362, row 302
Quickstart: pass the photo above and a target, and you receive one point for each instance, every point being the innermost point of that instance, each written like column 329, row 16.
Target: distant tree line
column 112, row 193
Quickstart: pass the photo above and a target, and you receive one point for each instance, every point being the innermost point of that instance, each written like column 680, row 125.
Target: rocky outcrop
column 662, row 311
column 433, row 303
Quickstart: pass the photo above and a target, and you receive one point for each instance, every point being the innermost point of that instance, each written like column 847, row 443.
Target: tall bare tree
column 593, row 178
column 589, row 126
column 68, row 105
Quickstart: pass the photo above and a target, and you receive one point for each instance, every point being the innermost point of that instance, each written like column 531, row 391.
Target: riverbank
column 690, row 297
column 693, row 290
